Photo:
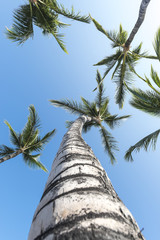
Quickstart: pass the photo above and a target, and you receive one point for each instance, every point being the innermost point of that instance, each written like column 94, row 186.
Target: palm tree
column 97, row 112
column 45, row 15
column 123, row 61
column 27, row 142
column 149, row 102
column 79, row 201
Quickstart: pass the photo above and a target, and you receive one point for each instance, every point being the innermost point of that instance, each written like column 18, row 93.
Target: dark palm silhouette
column 97, row 112
column 45, row 15
column 27, row 142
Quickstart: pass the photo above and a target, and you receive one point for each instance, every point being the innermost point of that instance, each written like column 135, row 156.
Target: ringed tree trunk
column 79, row 201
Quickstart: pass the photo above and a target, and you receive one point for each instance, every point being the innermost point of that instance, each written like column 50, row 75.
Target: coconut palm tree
column 124, row 59
column 27, row 142
column 149, row 102
column 45, row 15
column 79, row 201
column 97, row 112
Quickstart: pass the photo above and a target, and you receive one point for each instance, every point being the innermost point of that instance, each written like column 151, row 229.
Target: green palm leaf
column 147, row 141
column 14, row 137
column 31, row 161
column 156, row 43
column 109, row 143
column 60, row 9
column 43, row 14
column 148, row 101
column 114, row 120
column 22, row 27
column 30, row 131
column 155, row 77
column 69, row 105
column 89, row 108
column 101, row 29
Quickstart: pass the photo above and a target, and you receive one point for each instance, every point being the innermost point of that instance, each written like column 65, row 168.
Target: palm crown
column 98, row 112
column 149, row 102
column 122, row 62
column 45, row 15
column 27, row 142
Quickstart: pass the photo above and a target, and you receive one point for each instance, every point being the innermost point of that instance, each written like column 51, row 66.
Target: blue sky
column 38, row 71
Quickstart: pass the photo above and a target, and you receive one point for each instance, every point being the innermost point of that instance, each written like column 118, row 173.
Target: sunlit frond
column 147, row 141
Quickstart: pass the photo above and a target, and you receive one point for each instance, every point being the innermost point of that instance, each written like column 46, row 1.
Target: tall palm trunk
column 79, row 202
column 142, row 12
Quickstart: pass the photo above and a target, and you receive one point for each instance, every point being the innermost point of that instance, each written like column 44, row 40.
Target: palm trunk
column 140, row 20
column 9, row 156
column 79, row 202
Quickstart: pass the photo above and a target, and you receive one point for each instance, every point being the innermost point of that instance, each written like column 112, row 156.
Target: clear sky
column 38, row 71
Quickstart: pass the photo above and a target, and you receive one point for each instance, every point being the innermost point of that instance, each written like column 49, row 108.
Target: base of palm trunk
column 79, row 202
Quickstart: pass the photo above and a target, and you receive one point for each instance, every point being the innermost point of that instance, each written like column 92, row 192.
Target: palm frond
column 89, row 108
column 120, row 79
column 119, row 38
column 144, row 143
column 104, row 108
column 148, row 101
column 109, row 143
column 48, row 21
column 114, row 120
column 69, row 105
column 22, row 27
column 14, row 137
column 31, row 161
column 48, row 137
column 60, row 9
column 100, row 92
column 156, row 43
column 4, row 150
column 101, row 29
column 155, row 77
column 30, row 130
column 88, row 125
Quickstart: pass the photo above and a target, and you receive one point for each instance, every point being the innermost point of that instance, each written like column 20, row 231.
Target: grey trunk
column 142, row 12
column 9, row 156
column 79, row 201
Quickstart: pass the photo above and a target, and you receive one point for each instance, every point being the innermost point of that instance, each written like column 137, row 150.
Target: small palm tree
column 149, row 102
column 97, row 112
column 123, row 61
column 27, row 142
column 45, row 15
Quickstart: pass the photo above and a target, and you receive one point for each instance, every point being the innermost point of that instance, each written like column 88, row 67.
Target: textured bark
column 142, row 12
column 79, row 202
column 9, row 156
